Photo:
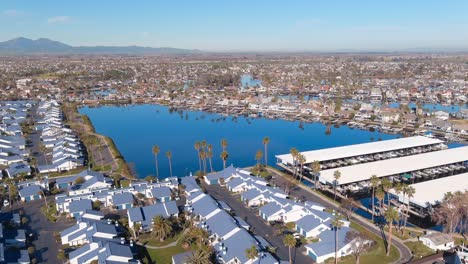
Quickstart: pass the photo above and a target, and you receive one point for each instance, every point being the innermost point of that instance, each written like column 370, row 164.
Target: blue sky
column 240, row 25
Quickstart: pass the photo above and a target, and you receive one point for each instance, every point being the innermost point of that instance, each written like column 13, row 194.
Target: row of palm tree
column 391, row 215
column 156, row 150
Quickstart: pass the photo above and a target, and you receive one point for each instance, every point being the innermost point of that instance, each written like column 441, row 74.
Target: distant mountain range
column 19, row 46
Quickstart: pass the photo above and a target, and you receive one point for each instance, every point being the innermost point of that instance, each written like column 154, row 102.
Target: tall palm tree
column 209, row 155
column 399, row 188
column 336, row 176
column 162, row 228
column 251, row 252
column 156, row 151
column 198, row 256
column 203, row 158
column 224, row 156
column 380, row 194
column 410, row 191
column 387, row 185
column 316, row 171
column 258, row 157
column 336, row 224
column 290, row 242
column 224, row 144
column 197, row 148
column 301, row 159
column 374, row 183
column 169, row 158
column 294, row 153
column 390, row 216
column 266, row 141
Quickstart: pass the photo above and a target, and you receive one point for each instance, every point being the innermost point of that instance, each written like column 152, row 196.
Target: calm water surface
column 136, row 128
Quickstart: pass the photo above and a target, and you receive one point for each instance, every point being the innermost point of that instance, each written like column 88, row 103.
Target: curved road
column 405, row 252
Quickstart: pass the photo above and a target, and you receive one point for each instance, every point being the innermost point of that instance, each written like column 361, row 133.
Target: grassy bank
column 95, row 144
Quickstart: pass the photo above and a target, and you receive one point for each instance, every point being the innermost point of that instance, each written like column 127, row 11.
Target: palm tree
column 169, row 158
column 209, row 155
column 224, row 156
column 258, row 157
column 197, row 148
column 336, row 224
column 294, row 153
column 162, row 228
column 203, row 158
column 387, row 185
column 316, row 171
column 224, row 144
column 380, row 194
column 290, row 242
column 374, row 183
column 399, row 188
column 156, row 151
column 390, row 216
column 410, row 191
column 251, row 252
column 198, row 256
column 336, row 176
column 266, row 141
column 302, row 159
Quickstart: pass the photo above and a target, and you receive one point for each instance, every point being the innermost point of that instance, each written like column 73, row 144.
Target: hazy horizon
column 242, row 26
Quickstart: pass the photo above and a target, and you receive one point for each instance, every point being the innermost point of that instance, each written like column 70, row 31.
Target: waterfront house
column 220, row 177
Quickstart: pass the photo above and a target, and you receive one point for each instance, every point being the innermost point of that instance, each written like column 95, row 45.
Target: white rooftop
column 362, row 149
column 382, row 168
column 432, row 192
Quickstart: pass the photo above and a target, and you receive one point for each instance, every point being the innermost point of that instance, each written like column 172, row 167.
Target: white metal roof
column 432, row 192
column 364, row 171
column 362, row 149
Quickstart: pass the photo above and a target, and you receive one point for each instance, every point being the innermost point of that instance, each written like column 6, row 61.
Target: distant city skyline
column 243, row 25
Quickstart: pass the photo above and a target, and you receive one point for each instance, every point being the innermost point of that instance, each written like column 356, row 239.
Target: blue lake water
column 136, row 128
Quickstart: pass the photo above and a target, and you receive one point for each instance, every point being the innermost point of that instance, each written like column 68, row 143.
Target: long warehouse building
column 330, row 155
column 431, row 193
column 397, row 166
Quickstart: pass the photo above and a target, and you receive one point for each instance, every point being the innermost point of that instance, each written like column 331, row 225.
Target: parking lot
column 42, row 230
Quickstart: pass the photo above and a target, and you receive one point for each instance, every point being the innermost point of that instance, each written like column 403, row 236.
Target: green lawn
column 164, row 255
column 376, row 254
column 150, row 241
column 419, row 249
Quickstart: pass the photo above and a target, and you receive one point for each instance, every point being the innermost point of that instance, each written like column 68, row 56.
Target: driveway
column 43, row 230
column 257, row 224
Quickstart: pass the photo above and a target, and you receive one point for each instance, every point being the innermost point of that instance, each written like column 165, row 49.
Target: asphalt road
column 257, row 224
column 302, row 192
column 43, row 230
